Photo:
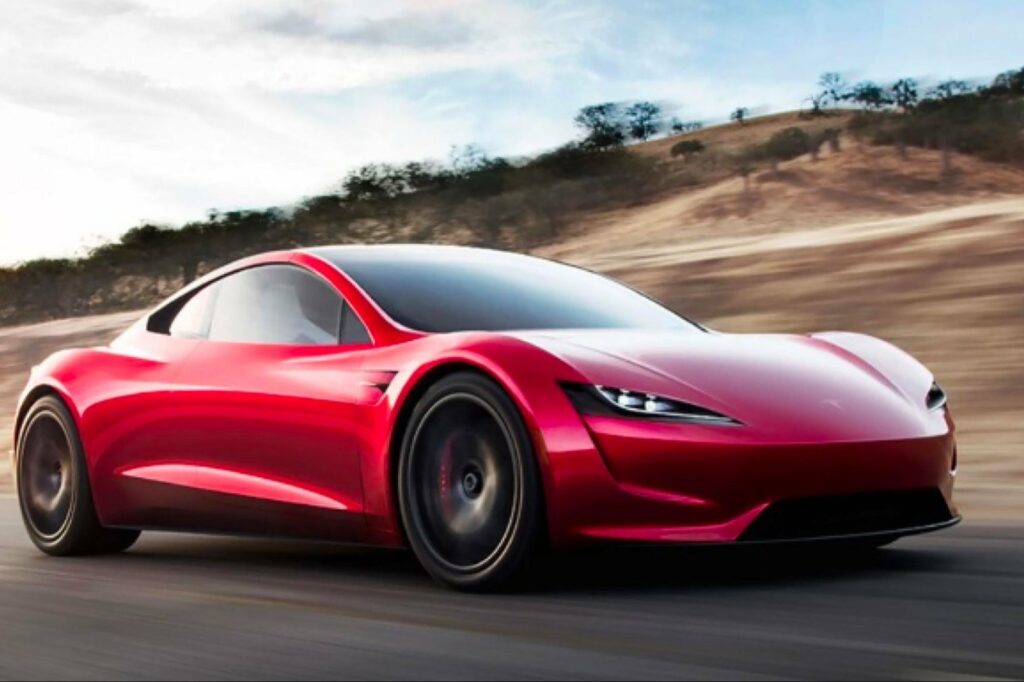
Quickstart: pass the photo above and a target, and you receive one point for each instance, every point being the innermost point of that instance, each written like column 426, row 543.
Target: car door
column 271, row 408
column 130, row 422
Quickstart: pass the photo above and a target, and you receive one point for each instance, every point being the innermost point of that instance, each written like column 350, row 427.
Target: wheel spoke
column 465, row 481
column 46, row 475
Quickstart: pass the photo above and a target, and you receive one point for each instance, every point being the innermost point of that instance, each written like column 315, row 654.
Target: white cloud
column 288, row 46
column 118, row 111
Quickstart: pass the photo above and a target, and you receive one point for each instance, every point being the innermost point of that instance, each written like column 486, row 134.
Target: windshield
column 451, row 289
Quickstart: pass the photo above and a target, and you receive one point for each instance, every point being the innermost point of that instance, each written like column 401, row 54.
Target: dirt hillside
column 730, row 136
column 855, row 185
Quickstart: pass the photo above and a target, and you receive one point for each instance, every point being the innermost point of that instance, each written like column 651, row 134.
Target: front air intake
column 860, row 514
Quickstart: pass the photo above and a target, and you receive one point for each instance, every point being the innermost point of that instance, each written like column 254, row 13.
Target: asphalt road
column 945, row 606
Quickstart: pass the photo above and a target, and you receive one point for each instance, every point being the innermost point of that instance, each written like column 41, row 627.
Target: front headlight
column 936, row 399
column 605, row 400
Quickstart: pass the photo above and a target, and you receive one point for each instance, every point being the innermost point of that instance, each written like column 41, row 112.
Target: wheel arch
column 33, row 396
column 419, row 387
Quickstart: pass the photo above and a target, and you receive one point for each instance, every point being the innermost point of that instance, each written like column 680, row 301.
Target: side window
column 352, row 330
column 276, row 304
column 193, row 318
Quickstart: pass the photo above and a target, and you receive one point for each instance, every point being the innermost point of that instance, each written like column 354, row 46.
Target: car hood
column 823, row 387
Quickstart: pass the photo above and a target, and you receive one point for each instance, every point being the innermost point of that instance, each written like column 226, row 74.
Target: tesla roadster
column 476, row 406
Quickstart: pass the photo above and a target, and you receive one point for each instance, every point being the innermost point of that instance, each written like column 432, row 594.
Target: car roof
column 362, row 253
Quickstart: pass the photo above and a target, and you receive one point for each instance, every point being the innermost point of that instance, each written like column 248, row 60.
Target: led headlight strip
column 936, row 397
column 608, row 400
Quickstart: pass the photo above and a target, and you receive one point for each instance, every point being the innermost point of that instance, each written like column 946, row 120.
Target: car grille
column 863, row 513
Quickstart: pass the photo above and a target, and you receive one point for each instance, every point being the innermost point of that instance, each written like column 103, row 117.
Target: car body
column 667, row 433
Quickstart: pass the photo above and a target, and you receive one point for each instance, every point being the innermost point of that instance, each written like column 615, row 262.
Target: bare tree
column 834, row 88
column 817, row 102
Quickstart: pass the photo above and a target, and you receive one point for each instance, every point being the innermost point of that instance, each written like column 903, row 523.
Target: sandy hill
column 730, row 136
column 861, row 240
column 857, row 184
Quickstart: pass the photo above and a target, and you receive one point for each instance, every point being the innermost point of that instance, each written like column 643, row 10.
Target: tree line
column 475, row 198
column 983, row 119
column 614, row 124
column 905, row 94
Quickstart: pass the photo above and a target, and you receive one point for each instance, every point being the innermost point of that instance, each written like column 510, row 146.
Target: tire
column 468, row 487
column 53, row 487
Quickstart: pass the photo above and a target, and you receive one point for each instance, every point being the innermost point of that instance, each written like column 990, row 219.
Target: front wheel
column 53, row 487
column 468, row 487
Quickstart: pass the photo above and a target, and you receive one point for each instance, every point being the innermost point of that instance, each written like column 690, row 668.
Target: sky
column 119, row 112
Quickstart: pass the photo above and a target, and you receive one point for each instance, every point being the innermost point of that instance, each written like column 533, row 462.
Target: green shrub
column 787, row 144
column 687, row 148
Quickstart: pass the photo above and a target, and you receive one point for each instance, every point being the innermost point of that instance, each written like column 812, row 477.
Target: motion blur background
column 784, row 166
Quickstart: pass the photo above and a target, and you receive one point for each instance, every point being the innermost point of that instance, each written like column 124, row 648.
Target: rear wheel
column 468, row 487
column 53, row 487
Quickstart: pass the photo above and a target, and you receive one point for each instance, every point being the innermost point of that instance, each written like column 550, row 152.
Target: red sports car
column 475, row 406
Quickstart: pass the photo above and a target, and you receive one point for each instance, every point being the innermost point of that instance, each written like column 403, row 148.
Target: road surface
column 947, row 606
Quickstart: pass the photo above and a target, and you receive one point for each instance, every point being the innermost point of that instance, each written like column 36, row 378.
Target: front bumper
column 664, row 483
column 860, row 516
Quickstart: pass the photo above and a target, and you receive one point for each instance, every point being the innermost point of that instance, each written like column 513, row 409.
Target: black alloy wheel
column 469, row 491
column 53, row 486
